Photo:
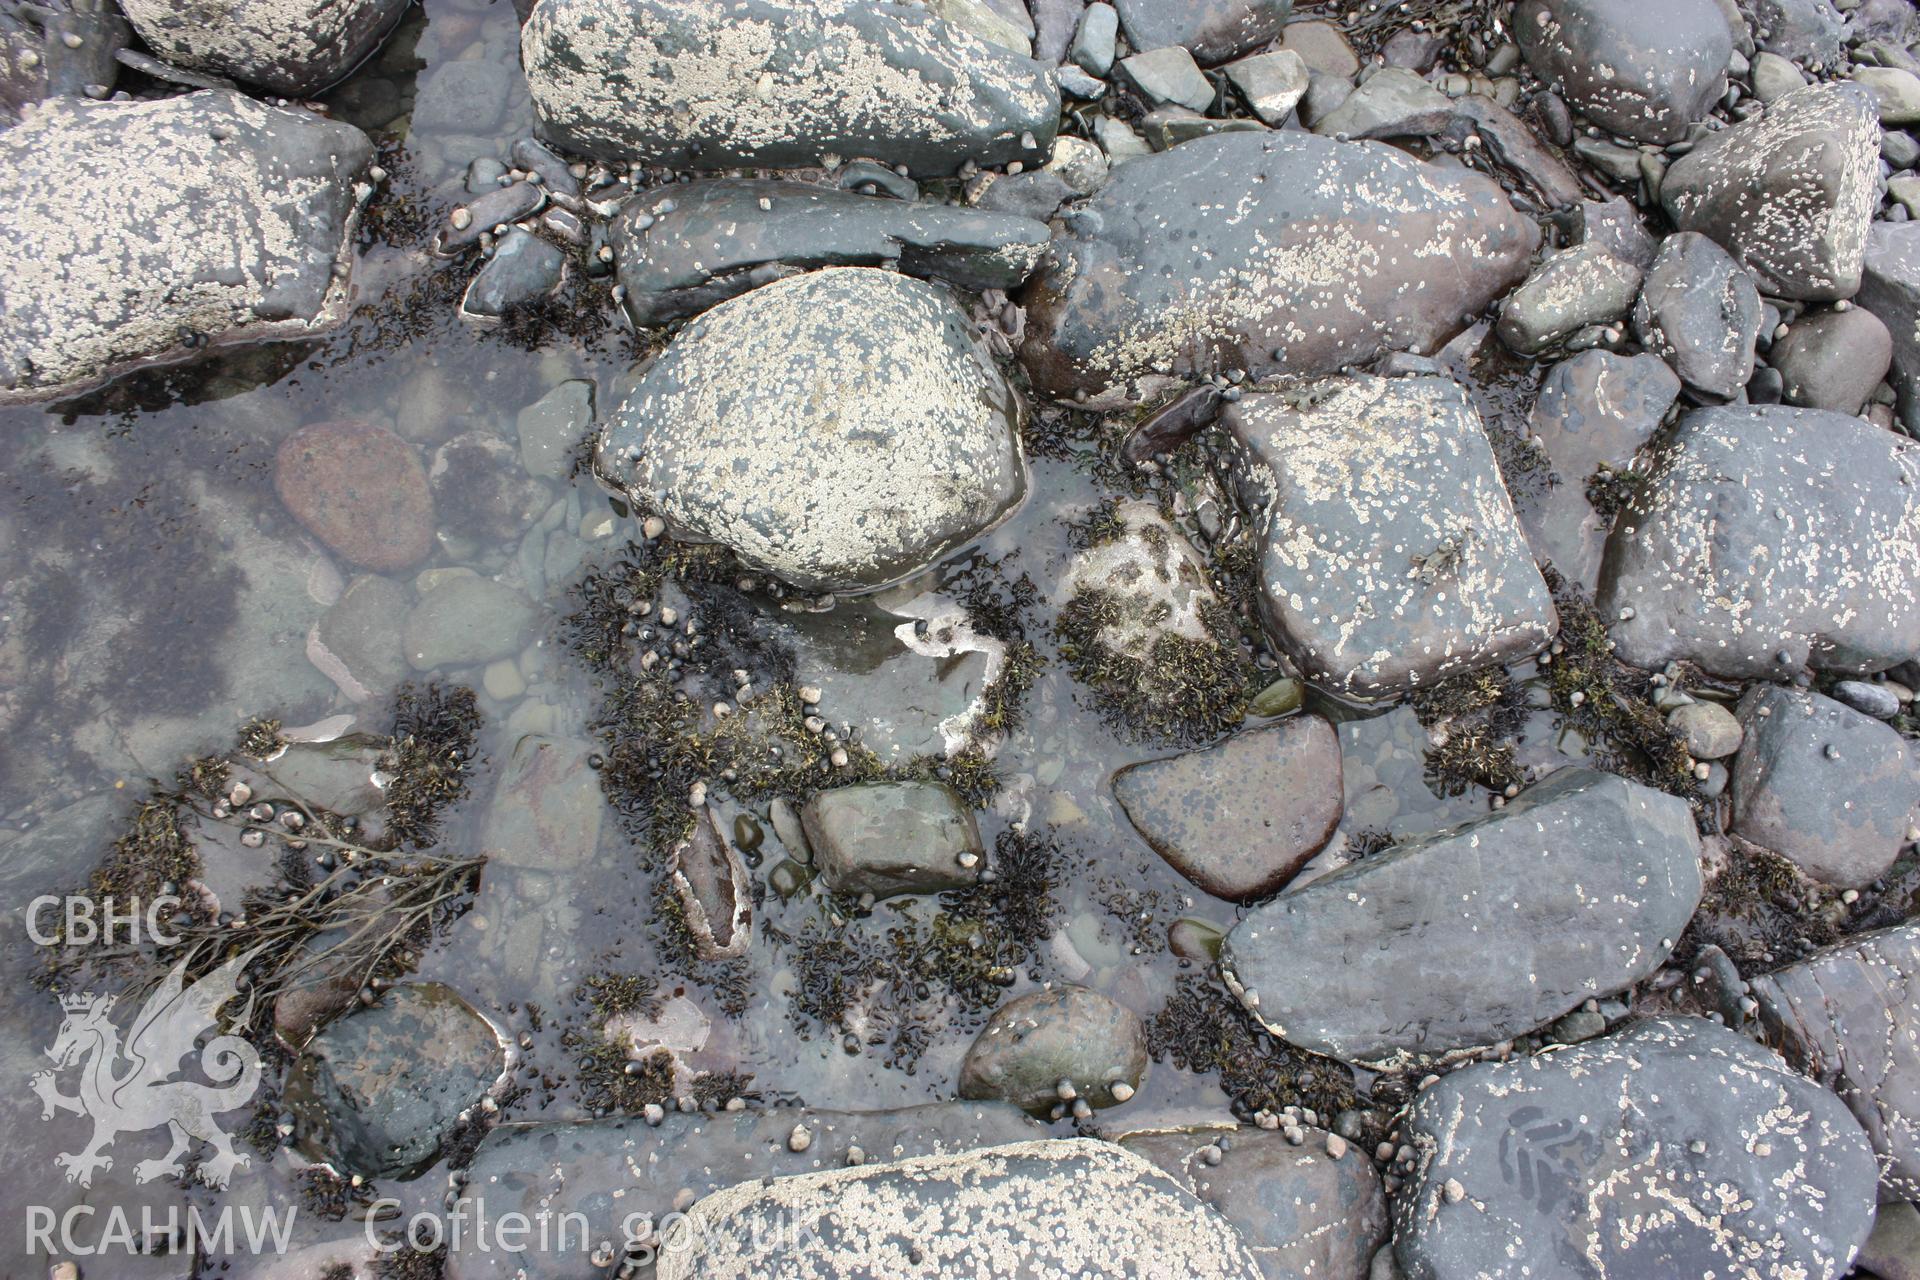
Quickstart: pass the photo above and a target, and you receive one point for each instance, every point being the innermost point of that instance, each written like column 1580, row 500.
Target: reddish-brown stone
column 361, row 490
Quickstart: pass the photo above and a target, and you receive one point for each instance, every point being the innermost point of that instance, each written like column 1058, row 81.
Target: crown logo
column 77, row 1004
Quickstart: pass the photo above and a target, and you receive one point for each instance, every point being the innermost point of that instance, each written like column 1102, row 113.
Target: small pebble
column 800, row 1139
column 1336, row 1145
column 1454, row 1192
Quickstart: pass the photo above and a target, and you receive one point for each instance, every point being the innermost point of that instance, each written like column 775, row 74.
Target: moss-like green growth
column 259, row 738
column 1760, row 910
column 609, row 995
column 1471, row 719
column 430, row 757
column 1182, row 691
column 1203, row 1029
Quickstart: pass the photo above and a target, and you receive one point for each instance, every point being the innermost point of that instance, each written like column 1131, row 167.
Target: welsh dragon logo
column 132, row 1088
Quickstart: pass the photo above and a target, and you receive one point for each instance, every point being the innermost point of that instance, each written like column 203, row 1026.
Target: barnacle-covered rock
column 1268, row 252
column 295, row 48
column 1212, row 30
column 782, row 84
column 1673, row 1148
column 141, row 232
column 1627, row 73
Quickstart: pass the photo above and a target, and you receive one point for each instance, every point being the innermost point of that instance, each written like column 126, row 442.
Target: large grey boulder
column 684, row 247
column 1031, row 1211
column 1768, row 539
column 782, row 84
column 1252, row 251
column 1647, row 80
column 1574, row 891
column 840, row 429
column 1790, row 194
column 1846, row 1016
column 141, row 232
column 294, row 48
column 1828, row 788
column 1811, row 33
column 1890, row 289
column 1700, row 312
column 608, row 1171
column 1391, row 557
column 1213, row 30
column 1673, row 1148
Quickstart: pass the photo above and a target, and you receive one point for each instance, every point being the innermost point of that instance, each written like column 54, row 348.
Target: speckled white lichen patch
column 1059, row 1208
column 289, row 46
column 1645, row 79
column 841, row 429
column 137, row 232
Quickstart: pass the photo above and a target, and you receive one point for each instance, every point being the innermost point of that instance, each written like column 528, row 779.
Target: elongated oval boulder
column 1034, row 1043
column 1789, row 194
column 1212, row 30
column 294, row 48
column 841, row 429
column 1076, row 1207
column 1645, row 79
column 1574, row 891
column 1674, row 1148
column 141, row 232
column 782, row 84
column 1268, row 252
column 1768, row 539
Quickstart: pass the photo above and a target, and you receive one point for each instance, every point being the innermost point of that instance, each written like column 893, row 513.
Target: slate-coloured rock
column 842, row 429
column 1390, row 556
column 684, row 247
column 1833, row 359
column 1240, row 818
column 1846, row 1016
column 1823, row 785
column 1673, row 1148
column 1767, row 539
column 1812, row 33
column 383, row 1089
column 1647, row 79
column 1574, row 288
column 1272, row 83
column 292, row 48
column 1890, row 289
column 608, row 1170
column 140, row 232
column 1574, row 891
column 1789, row 194
column 1031, row 1044
column 1391, row 103
column 361, row 490
column 893, row 837
column 781, row 84
column 1032, row 1211
column 1252, row 252
column 466, row 620
column 1700, row 312
column 1213, row 30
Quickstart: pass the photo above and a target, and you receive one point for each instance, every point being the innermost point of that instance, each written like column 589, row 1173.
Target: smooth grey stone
column 1302, row 1211
column 546, row 810
column 1766, row 540
column 913, row 455
column 1710, row 731
column 1774, row 77
column 1037, row 195
column 502, row 206
column 1324, row 94
column 1822, row 785
column 1076, row 83
column 1890, row 289
column 357, row 642
column 1673, row 1148
column 1094, row 42
column 872, row 179
column 1700, row 312
column 382, row 1089
column 1809, row 32
column 466, row 620
column 149, row 259
column 1896, row 90
column 1622, row 164
column 1169, row 76
column 1214, row 30
column 1571, row 289
column 483, row 175
column 1240, row 818
column 1875, row 700
column 552, row 427
column 293, row 48
column 1845, row 1015
column 1628, row 74
column 1833, row 359
column 1391, row 103
column 1892, row 1252
column 885, row 838
column 536, row 157
column 1790, row 193
column 795, row 81
column 608, row 1170
column 1167, row 127
column 1272, row 83
column 685, row 247
column 1390, row 555
column 1251, row 252
column 523, row 269
column 1899, row 148
column 1577, row 889
column 1066, row 1207
column 469, row 98
column 1413, row 50
column 1323, row 46
column 1054, row 22
column 1033, row 1043
column 1873, row 21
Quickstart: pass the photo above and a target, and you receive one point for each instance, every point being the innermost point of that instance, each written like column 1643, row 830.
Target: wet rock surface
column 293, row 49
column 1162, row 279
column 1391, row 555
column 1709, row 1155
column 129, row 251
column 1890, row 290
column 361, row 490
column 1647, row 80
column 1212, row 30
column 1833, row 359
column 915, row 455
column 1767, row 539
column 893, row 837
column 778, row 83
column 1575, row 890
column 1240, row 818
column 1574, row 288
column 1700, row 312
column 1044, row 1051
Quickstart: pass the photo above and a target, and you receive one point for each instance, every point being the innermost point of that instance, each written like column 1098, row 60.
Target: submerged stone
column 782, row 84
column 361, row 490
column 885, row 838
column 1673, row 1148
column 841, row 429
column 1574, row 891
column 1070, row 1036
column 1252, row 252
column 466, row 620
column 1768, row 539
column 546, row 810
column 710, row 879
column 294, row 48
